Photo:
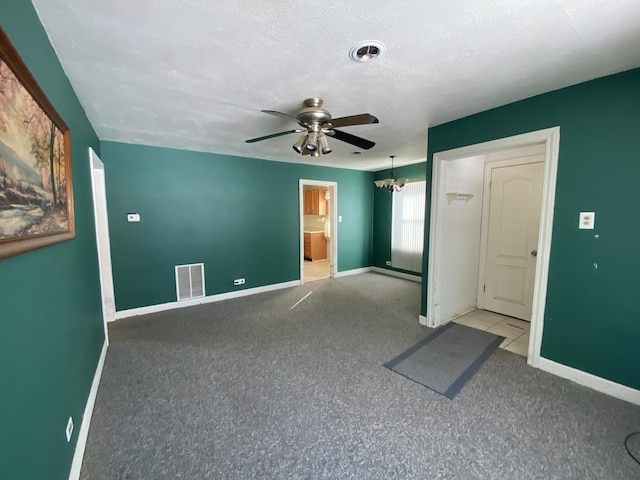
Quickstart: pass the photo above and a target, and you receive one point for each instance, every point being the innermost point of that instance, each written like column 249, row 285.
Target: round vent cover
column 366, row 51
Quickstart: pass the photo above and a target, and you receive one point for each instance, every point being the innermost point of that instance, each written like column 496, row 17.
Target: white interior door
column 512, row 242
column 102, row 238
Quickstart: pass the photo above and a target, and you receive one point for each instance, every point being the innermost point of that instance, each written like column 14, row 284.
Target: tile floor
column 316, row 270
column 516, row 331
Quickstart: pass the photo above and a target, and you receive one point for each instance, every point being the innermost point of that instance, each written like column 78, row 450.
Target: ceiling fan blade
column 362, row 119
column 282, row 115
column 353, row 140
column 273, row 135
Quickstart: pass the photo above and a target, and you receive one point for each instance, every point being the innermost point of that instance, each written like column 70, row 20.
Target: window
column 407, row 227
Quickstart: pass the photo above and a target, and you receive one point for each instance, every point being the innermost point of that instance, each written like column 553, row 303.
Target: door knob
column 534, row 253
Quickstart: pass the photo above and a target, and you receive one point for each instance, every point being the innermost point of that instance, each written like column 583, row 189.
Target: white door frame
column 102, row 239
column 551, row 138
column 333, row 216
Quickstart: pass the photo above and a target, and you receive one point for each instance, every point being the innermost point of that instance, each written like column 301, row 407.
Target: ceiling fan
column 318, row 125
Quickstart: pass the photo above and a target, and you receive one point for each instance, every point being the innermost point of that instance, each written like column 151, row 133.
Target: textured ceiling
column 194, row 74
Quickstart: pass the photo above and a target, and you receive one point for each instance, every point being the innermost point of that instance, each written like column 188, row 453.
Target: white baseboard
column 599, row 384
column 393, row 273
column 422, row 320
column 83, row 433
column 198, row 301
column 355, row 271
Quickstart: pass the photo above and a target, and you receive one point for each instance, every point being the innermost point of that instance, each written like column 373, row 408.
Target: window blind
column 407, row 227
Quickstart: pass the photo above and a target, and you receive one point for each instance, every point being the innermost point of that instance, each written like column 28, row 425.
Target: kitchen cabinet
column 315, row 202
column 315, row 246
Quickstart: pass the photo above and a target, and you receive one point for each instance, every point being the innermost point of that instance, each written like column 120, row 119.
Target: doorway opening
column 102, row 240
column 462, row 250
column 318, row 239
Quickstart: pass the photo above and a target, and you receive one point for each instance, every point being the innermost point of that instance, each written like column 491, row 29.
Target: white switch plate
column 339, row 218
column 587, row 221
column 133, row 217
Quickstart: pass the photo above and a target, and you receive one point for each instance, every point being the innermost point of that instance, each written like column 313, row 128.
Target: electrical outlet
column 388, row 263
column 238, row 281
column 587, row 220
column 69, row 429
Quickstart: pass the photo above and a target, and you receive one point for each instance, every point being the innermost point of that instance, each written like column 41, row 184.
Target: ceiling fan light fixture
column 366, row 51
column 315, row 153
column 324, row 145
column 300, row 144
column 312, row 141
column 318, row 125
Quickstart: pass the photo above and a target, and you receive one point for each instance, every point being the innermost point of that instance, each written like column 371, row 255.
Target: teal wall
column 591, row 317
column 240, row 216
column 51, row 330
column 382, row 206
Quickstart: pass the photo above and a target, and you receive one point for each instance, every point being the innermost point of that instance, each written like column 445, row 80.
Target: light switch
column 133, row 217
column 587, row 220
column 339, row 218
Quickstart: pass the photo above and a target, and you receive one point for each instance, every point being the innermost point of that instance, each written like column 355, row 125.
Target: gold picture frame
column 36, row 187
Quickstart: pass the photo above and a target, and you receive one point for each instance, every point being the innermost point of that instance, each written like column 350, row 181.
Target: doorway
column 318, row 240
column 102, row 239
column 458, row 262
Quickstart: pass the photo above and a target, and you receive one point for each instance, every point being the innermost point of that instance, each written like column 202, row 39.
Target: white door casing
column 332, row 213
column 102, row 238
column 550, row 138
column 512, row 238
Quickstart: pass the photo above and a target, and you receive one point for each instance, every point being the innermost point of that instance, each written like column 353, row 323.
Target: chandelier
column 392, row 184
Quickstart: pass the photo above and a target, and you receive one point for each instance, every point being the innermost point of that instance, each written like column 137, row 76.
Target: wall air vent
column 189, row 281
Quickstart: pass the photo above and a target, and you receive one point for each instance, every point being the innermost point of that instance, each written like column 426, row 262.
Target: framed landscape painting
column 36, row 197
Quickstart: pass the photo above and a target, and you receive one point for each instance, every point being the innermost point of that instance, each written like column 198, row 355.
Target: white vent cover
column 190, row 281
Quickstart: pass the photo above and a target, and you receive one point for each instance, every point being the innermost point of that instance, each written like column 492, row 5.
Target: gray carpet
column 445, row 360
column 247, row 388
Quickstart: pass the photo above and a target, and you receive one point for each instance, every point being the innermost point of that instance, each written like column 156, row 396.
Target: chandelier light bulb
column 391, row 184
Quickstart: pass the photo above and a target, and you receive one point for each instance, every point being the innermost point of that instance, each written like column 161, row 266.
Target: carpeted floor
column 248, row 388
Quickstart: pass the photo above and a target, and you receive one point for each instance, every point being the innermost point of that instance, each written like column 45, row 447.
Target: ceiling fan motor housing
column 313, row 115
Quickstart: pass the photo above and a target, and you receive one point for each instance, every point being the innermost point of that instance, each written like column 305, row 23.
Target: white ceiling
column 194, row 74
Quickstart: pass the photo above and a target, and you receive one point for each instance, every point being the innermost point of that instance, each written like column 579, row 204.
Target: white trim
column 393, row 273
column 599, row 384
column 422, row 320
column 552, row 147
column 551, row 138
column 355, row 271
column 103, row 244
column 198, row 301
column 333, row 218
column 83, row 433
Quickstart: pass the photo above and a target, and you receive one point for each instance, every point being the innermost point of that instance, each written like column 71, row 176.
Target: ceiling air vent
column 190, row 281
column 366, row 51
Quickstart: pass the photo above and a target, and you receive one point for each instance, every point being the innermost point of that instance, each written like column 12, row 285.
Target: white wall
column 460, row 236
